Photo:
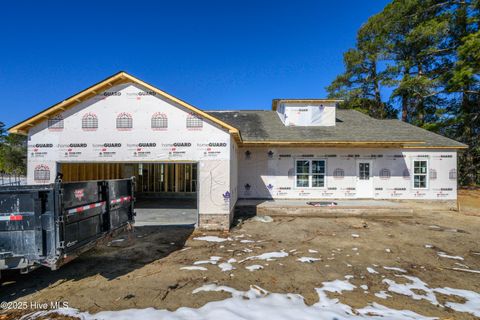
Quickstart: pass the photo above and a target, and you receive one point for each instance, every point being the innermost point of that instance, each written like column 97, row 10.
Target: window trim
column 427, row 174
column 310, row 174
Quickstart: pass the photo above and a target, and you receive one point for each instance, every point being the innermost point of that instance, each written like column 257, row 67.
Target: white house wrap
column 302, row 149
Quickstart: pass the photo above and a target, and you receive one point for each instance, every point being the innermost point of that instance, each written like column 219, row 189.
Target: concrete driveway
column 162, row 212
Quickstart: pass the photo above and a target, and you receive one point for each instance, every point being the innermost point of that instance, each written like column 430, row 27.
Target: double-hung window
column 310, row 173
column 420, row 172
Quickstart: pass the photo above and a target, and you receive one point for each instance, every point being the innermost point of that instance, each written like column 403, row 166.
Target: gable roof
column 262, row 127
column 353, row 128
column 116, row 79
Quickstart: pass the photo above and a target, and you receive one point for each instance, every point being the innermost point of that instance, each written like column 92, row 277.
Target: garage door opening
column 166, row 193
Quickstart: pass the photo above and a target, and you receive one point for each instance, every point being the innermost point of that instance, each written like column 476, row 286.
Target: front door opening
column 364, row 186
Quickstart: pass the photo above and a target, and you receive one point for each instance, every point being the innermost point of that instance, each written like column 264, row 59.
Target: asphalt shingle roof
column 351, row 126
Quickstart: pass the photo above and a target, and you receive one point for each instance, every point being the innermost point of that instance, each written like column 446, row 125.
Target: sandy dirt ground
column 143, row 269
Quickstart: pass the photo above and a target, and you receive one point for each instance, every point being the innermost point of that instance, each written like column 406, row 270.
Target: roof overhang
column 118, row 78
column 333, row 144
column 276, row 102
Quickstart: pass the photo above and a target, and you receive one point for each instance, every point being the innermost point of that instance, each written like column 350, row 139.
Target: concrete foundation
column 344, row 208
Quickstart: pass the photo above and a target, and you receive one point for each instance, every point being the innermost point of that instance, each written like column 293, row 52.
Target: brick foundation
column 217, row 222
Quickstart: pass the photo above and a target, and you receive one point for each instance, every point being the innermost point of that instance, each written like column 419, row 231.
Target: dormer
column 306, row 112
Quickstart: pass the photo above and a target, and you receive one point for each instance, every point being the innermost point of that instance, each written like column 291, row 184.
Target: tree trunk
column 380, row 110
column 405, row 100
column 404, row 108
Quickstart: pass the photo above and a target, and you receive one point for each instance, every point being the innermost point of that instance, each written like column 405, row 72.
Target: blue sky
column 215, row 55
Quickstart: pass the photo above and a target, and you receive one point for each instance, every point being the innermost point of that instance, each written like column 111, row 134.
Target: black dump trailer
column 49, row 225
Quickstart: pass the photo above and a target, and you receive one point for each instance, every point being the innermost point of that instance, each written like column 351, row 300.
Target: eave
column 118, row 78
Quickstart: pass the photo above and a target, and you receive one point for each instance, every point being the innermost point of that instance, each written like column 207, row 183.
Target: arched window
column 194, row 121
column 89, row 122
column 385, row 174
column 433, row 174
column 55, row 123
column 452, row 174
column 338, row 173
column 124, row 121
column 159, row 121
column 41, row 173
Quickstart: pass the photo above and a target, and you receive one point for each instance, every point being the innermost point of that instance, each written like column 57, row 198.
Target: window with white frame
column 420, row 174
column 310, row 173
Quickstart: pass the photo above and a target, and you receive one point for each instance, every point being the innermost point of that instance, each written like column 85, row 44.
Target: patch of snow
column 395, row 269
column 462, row 265
column 371, row 270
column 194, row 268
column 354, row 235
column 308, row 259
column 225, row 266
column 406, row 289
column 257, row 303
column 428, row 246
column 246, row 241
column 213, row 260
column 312, row 251
column 388, row 250
column 364, row 287
column 212, row 239
column 269, row 256
column 444, row 255
column 382, row 295
column 386, row 313
column 472, row 300
column 254, row 267
column 354, row 249
column 466, row 270
column 265, row 219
